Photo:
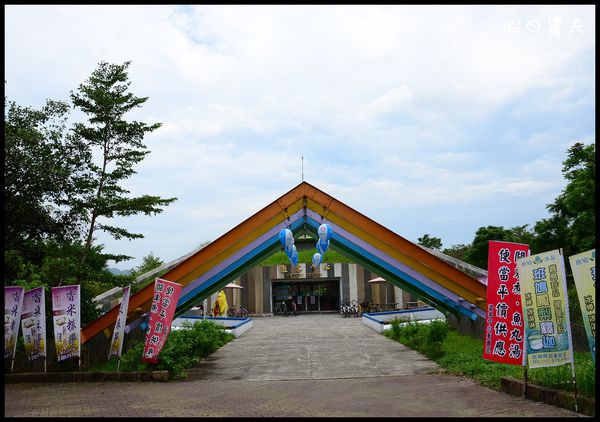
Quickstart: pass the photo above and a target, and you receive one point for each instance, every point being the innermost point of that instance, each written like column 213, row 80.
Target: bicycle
column 238, row 312
column 281, row 308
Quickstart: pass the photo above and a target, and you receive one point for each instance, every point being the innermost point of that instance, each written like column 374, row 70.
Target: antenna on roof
column 302, row 168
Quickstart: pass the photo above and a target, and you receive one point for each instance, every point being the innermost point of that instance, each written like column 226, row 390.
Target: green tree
column 549, row 234
column 478, row 252
column 457, row 251
column 104, row 97
column 40, row 165
column 149, row 263
column 575, row 207
column 430, row 242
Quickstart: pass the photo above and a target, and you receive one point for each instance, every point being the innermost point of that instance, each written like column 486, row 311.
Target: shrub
column 183, row 349
column 425, row 338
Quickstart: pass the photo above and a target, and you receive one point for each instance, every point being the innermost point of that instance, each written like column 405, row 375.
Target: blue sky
column 427, row 119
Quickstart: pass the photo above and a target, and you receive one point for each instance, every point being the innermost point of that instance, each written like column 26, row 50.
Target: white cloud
column 419, row 110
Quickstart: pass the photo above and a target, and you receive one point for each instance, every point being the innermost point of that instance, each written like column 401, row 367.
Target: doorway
column 311, row 295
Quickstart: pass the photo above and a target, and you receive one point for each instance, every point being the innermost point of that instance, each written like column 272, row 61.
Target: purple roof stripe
column 403, row 267
column 237, row 255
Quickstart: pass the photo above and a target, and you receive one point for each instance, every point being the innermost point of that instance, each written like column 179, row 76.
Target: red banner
column 164, row 303
column 504, row 315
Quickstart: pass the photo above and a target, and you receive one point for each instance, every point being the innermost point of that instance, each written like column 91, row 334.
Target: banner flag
column 33, row 323
column 504, row 315
column 164, row 303
column 116, row 345
column 584, row 274
column 545, row 309
column 66, row 316
column 13, row 304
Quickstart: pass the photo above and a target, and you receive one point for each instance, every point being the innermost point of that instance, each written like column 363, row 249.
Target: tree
column 149, row 263
column 477, row 254
column 41, row 160
column 430, row 242
column 104, row 97
column 575, row 207
column 457, row 251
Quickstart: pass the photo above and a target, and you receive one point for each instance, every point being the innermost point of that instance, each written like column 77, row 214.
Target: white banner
column 583, row 266
column 545, row 309
column 33, row 323
column 13, row 303
column 67, row 321
column 116, row 344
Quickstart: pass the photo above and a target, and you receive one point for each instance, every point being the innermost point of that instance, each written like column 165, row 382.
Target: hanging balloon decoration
column 316, row 259
column 322, row 246
column 294, row 257
column 324, row 232
column 286, row 238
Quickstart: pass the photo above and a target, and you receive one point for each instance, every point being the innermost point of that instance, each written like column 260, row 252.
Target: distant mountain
column 117, row 271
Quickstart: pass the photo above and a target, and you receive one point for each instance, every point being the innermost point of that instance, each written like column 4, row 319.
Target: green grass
column 462, row 355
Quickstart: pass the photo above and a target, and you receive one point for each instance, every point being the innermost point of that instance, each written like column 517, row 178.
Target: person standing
column 221, row 304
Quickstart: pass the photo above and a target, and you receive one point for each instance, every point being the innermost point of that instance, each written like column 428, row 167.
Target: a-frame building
column 302, row 210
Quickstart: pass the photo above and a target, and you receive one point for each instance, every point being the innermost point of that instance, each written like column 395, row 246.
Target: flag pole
column 569, row 332
column 574, row 383
column 525, row 382
column 524, row 368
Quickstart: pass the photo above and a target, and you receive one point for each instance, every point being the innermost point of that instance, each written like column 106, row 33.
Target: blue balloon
column 322, row 246
column 286, row 237
column 289, row 250
column 294, row 257
column 324, row 231
column 316, row 259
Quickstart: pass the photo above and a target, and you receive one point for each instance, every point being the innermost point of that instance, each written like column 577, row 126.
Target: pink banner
column 164, row 303
column 504, row 319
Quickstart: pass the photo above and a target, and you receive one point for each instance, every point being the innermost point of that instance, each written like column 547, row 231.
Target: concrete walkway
column 308, row 365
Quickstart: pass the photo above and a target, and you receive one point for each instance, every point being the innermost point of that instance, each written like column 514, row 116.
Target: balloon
column 289, row 250
column 294, row 257
column 322, row 246
column 324, row 232
column 316, row 259
column 286, row 237
column 282, row 237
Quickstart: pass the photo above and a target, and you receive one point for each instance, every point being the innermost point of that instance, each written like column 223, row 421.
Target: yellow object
column 222, row 302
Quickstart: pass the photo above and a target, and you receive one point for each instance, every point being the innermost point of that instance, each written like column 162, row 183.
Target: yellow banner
column 545, row 309
column 584, row 274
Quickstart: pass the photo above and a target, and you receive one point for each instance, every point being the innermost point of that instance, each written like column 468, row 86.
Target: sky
column 431, row 120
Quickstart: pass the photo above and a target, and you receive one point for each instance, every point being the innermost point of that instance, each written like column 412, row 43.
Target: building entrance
column 317, row 295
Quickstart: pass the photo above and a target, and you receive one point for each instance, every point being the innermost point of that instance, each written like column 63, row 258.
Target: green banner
column 545, row 309
column 584, row 274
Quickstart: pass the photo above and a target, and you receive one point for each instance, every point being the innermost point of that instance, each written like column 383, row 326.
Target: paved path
column 309, row 365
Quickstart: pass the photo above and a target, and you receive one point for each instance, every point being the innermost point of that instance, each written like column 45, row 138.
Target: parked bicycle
column 238, row 312
column 281, row 308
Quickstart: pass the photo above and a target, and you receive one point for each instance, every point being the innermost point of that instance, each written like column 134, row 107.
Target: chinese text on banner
column 545, row 309
column 504, row 318
column 584, row 273
column 33, row 323
column 67, row 321
column 116, row 345
column 164, row 302
column 13, row 303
